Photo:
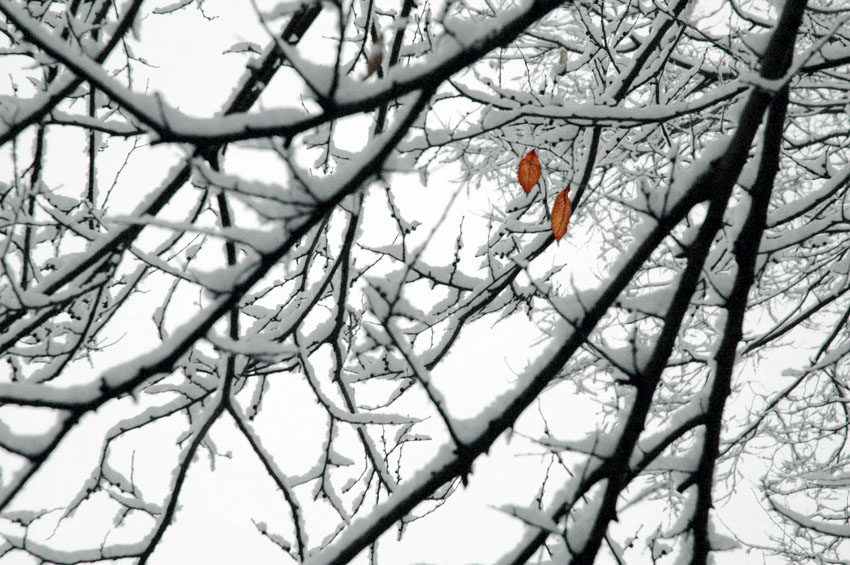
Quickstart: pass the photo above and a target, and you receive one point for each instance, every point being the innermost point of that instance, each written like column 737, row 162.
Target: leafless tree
column 311, row 271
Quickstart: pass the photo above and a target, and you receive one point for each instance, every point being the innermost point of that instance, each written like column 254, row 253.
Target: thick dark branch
column 746, row 253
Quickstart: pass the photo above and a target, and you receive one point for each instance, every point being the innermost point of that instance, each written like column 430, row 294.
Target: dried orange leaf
column 529, row 171
column 561, row 212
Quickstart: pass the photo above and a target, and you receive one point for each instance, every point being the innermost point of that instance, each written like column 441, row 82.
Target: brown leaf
column 561, row 212
column 373, row 62
column 376, row 56
column 529, row 171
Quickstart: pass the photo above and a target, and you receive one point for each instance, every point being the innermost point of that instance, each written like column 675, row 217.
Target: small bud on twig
column 560, row 68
